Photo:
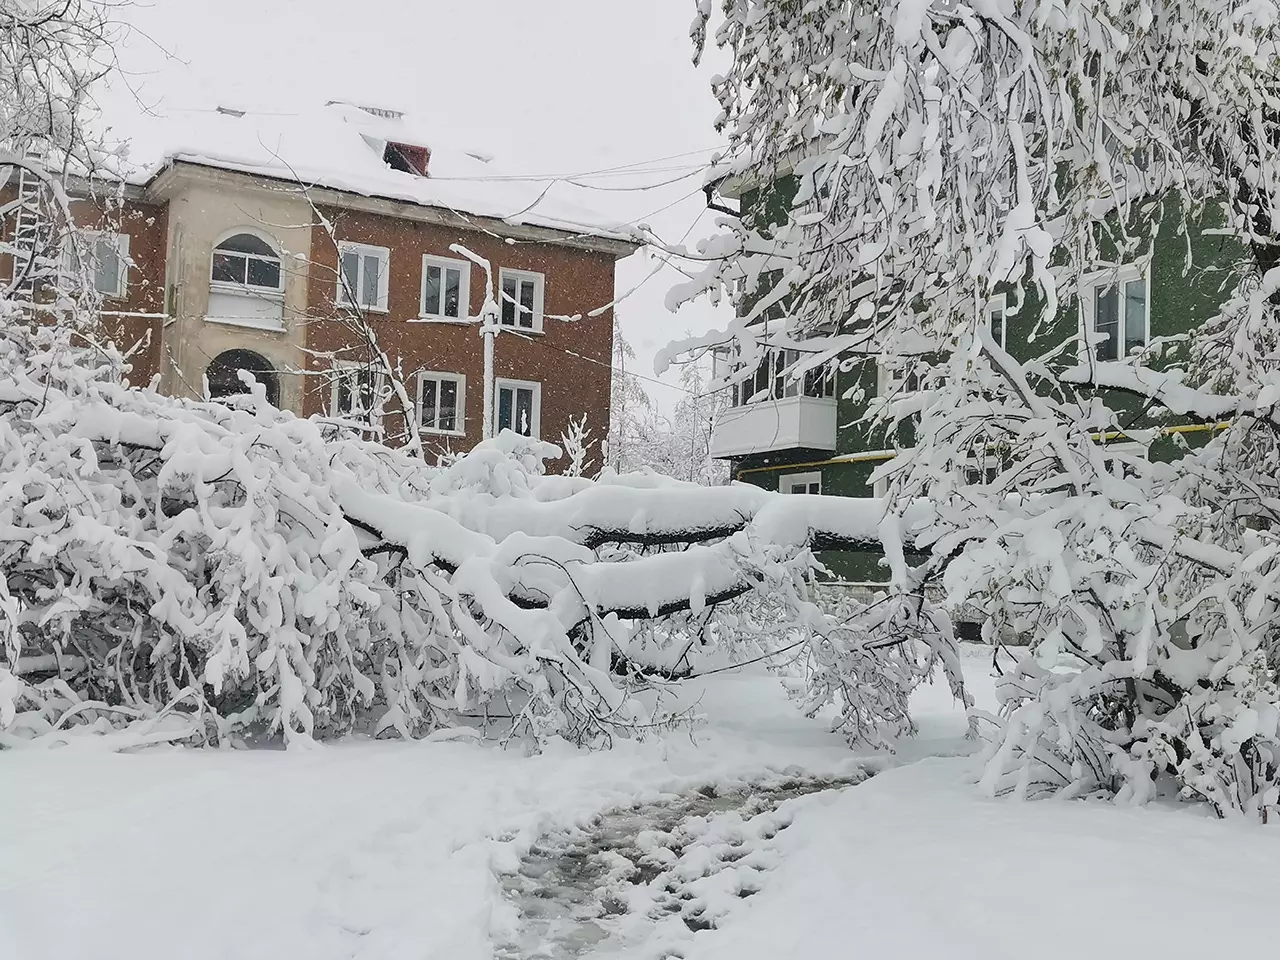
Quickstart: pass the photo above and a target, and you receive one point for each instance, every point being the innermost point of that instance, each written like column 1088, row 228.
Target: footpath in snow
column 396, row 850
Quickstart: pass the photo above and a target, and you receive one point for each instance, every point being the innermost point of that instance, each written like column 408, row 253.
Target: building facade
column 207, row 269
column 813, row 435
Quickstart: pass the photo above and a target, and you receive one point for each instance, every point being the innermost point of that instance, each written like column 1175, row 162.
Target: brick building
column 227, row 254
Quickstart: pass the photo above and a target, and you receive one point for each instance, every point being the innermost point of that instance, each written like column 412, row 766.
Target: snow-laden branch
column 235, row 568
column 1169, row 389
column 552, row 556
column 918, row 175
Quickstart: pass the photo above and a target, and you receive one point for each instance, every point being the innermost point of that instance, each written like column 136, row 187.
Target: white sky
column 548, row 86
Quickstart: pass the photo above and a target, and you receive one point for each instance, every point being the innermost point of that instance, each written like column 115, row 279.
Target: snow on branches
column 211, row 573
column 904, row 162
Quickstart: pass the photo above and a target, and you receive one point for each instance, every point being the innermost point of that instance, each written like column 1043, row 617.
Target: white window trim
column 336, row 370
column 384, row 276
column 464, row 291
column 461, row 414
column 980, row 464
column 539, row 297
column 788, row 479
column 893, row 383
column 1112, row 277
column 274, row 294
column 91, row 238
column 536, row 387
column 1129, row 448
column 998, row 302
column 248, row 323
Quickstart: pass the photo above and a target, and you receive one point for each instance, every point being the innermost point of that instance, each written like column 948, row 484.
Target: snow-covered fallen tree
column 215, row 572
column 202, row 572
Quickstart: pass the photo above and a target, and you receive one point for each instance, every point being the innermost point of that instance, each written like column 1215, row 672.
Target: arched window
column 246, row 283
column 223, row 374
column 247, row 261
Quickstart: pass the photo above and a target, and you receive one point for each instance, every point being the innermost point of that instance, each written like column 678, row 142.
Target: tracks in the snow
column 642, row 881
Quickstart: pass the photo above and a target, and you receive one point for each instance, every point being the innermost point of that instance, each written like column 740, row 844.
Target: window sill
column 451, row 321
column 354, row 308
column 508, row 328
column 456, row 434
column 239, row 290
column 247, row 323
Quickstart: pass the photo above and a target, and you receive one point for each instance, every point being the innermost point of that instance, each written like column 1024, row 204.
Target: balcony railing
column 785, row 424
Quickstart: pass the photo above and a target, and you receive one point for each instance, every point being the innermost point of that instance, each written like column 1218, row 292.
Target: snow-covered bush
column 212, row 572
column 943, row 153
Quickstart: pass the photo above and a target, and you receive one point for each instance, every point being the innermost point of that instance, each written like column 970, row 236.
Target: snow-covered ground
column 391, row 850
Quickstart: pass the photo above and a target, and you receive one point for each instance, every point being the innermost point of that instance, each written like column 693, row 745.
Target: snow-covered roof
column 340, row 146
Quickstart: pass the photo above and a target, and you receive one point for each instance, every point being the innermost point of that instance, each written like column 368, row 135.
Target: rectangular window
column 898, row 382
column 519, row 406
column 108, row 261
column 983, row 468
column 364, row 276
column 1115, row 308
column 353, row 391
column 446, row 287
column 1123, row 459
column 440, row 402
column 522, row 295
column 996, row 320
column 800, row 483
column 773, row 380
column 981, row 476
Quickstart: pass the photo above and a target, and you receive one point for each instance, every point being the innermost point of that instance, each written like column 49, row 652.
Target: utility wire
column 620, row 170
column 626, row 373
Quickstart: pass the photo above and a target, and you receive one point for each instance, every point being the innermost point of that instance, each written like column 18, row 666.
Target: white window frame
column 981, row 464
column 536, row 427
column 460, row 415
column 893, row 383
column 247, row 289
column 384, row 276
column 340, row 369
column 1111, row 452
column 91, row 239
column 464, row 289
column 779, row 363
column 539, row 297
column 998, row 302
column 1112, row 277
column 787, row 480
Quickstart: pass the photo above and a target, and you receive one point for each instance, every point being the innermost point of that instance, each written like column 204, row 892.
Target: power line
column 643, row 187
column 620, row 170
column 626, row 373
column 579, row 356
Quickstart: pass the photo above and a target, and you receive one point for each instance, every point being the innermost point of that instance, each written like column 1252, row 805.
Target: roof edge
column 588, row 240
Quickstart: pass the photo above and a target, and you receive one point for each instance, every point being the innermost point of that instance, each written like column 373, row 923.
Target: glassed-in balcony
column 775, row 410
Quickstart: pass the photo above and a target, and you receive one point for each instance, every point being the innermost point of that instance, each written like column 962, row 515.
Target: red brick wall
column 570, row 360
column 147, row 227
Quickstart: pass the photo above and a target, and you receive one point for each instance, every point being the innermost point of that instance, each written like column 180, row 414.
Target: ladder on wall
column 28, row 236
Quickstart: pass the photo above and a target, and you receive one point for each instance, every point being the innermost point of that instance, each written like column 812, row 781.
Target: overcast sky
column 548, row 86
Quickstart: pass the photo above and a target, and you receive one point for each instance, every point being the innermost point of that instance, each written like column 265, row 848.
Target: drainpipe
column 488, row 330
column 489, row 317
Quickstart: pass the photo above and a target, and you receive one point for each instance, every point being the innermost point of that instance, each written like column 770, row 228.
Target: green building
column 811, row 436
